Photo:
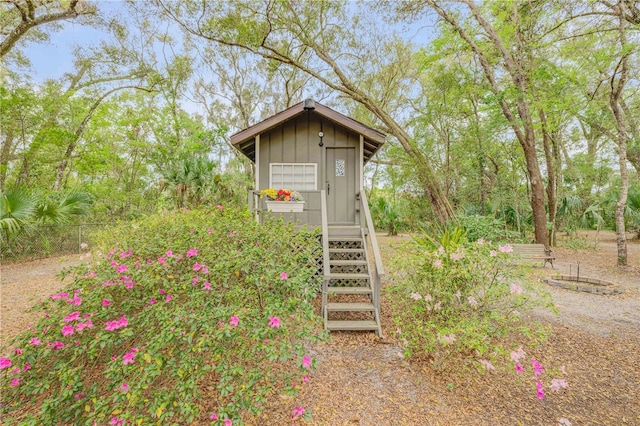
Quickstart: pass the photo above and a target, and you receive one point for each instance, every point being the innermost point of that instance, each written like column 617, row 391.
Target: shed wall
column 297, row 141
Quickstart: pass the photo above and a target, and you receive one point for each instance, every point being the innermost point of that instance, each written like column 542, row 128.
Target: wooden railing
column 378, row 270
column 326, row 267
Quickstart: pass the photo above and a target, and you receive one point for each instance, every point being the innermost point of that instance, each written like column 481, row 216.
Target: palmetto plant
column 20, row 209
column 189, row 181
column 17, row 208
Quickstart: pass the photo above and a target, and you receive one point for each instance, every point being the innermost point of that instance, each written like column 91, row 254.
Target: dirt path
column 363, row 380
column 24, row 284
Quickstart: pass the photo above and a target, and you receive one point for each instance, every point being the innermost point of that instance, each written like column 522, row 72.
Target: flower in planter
column 272, row 194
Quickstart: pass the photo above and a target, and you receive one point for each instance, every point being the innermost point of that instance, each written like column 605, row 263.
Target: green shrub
column 488, row 228
column 456, row 302
column 188, row 315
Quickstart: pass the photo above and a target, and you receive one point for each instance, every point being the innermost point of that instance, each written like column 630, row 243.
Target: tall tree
column 18, row 17
column 312, row 37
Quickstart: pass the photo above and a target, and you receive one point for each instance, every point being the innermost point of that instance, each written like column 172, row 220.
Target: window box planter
column 285, row 206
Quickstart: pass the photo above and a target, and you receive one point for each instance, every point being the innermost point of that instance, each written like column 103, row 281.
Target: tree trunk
column 4, row 158
column 617, row 82
column 521, row 126
column 551, row 176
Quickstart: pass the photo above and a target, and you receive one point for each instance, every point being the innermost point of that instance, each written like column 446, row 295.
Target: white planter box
column 285, row 206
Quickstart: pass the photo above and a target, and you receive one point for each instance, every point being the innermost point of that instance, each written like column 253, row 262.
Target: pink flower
column 539, row 390
column 116, row 324
column 205, row 270
column 35, row 341
column 152, row 301
column 416, row 296
column 557, row 384
column 480, row 241
column 207, row 285
column 72, row 317
column 67, row 330
column 537, row 367
column 265, row 341
column 115, row 421
column 518, row 355
column 195, row 280
column 274, row 322
column 493, row 253
column 507, row 248
column 105, row 302
column 192, row 252
column 297, row 411
column 75, row 301
column 447, row 338
column 197, row 266
column 57, row 345
column 437, row 306
column 15, row 371
column 284, row 276
column 91, row 275
column 128, row 357
column 486, row 364
column 162, row 260
column 219, row 207
column 168, row 299
column 214, row 416
column 228, row 422
column 59, row 296
column 519, row 368
column 306, row 361
column 234, row 320
column 79, row 396
column 169, row 253
column 17, row 351
column 26, row 367
column 122, row 268
column 124, row 387
column 15, row 382
column 515, row 289
column 162, row 291
column 437, row 264
column 305, row 379
column 457, row 256
column 5, row 363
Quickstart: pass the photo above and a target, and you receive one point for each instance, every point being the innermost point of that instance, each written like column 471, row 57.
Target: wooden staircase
column 349, row 298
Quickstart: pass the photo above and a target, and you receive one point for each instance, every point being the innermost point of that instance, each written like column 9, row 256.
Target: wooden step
column 355, row 238
column 347, row 262
column 343, row 250
column 352, row 325
column 349, row 290
column 350, row 307
column 347, row 276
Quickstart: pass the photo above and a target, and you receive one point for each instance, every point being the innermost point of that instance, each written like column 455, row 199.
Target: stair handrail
column 372, row 232
column 325, row 239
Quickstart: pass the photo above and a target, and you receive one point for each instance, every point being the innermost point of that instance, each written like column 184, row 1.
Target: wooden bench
column 534, row 252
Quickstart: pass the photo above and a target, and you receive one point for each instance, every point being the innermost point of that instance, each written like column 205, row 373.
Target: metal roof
column 245, row 139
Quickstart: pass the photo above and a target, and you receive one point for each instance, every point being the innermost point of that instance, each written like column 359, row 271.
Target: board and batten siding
column 297, row 141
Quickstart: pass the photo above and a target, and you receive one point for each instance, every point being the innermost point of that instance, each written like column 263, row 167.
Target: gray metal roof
column 245, row 139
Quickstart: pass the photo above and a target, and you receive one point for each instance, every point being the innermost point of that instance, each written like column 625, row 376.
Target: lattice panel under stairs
column 349, row 282
column 350, row 268
column 346, row 255
column 345, row 244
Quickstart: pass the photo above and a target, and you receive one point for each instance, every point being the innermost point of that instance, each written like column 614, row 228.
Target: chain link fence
column 45, row 241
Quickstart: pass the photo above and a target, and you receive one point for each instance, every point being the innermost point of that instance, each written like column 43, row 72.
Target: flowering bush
column 189, row 318
column 456, row 301
column 280, row 195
